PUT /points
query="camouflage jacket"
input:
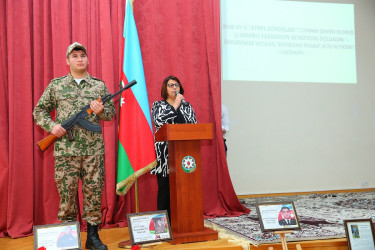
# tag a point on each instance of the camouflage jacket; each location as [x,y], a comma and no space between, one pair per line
[68,98]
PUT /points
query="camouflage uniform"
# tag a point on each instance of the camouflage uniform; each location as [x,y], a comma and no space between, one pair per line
[82,158]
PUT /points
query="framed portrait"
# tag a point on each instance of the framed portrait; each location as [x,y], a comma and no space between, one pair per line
[360,234]
[149,227]
[57,236]
[277,216]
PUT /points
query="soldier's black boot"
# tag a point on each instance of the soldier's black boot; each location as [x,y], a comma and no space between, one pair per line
[93,241]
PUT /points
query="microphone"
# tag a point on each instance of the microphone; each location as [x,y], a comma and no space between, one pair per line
[183,100]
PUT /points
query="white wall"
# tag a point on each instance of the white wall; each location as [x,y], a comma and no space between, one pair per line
[295,137]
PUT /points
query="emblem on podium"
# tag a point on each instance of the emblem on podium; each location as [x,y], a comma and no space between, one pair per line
[188,164]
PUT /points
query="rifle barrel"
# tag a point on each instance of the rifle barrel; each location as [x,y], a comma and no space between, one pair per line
[130,84]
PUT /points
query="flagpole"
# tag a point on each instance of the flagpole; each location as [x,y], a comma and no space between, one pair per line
[136,197]
[136,181]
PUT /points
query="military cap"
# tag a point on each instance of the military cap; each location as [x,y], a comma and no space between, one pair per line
[73,46]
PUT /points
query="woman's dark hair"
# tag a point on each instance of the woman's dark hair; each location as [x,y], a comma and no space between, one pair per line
[164,92]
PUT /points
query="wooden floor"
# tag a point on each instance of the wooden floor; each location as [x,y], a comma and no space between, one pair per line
[112,237]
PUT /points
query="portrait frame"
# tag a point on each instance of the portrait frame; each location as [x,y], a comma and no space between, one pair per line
[149,227]
[48,236]
[271,216]
[360,233]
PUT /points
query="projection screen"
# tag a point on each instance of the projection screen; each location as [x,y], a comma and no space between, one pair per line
[298,81]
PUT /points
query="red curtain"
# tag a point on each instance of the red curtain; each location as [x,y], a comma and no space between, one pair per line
[177,38]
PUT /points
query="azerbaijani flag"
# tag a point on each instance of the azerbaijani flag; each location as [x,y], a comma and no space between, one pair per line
[136,151]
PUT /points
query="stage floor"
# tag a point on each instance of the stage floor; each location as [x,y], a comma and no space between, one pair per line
[112,237]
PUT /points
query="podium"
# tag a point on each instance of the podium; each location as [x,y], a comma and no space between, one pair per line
[185,180]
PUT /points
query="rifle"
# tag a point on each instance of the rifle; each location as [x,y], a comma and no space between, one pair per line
[79,119]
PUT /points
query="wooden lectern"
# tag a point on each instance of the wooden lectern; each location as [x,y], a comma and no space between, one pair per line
[185,180]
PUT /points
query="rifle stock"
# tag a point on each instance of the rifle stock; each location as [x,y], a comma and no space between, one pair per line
[46,142]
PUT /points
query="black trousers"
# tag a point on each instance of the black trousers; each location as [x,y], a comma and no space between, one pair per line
[164,202]
[225,145]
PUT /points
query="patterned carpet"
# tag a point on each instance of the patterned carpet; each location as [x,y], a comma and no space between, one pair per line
[321,216]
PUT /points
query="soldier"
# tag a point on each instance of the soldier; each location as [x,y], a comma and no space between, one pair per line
[82,158]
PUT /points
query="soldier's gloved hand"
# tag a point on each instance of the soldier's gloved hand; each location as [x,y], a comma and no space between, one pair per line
[97,106]
[58,131]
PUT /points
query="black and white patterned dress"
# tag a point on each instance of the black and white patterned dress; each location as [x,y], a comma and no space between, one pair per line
[164,113]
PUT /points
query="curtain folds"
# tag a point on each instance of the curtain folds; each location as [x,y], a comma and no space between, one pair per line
[177,38]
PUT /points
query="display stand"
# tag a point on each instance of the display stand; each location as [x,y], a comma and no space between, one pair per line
[185,180]
[127,245]
[282,238]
